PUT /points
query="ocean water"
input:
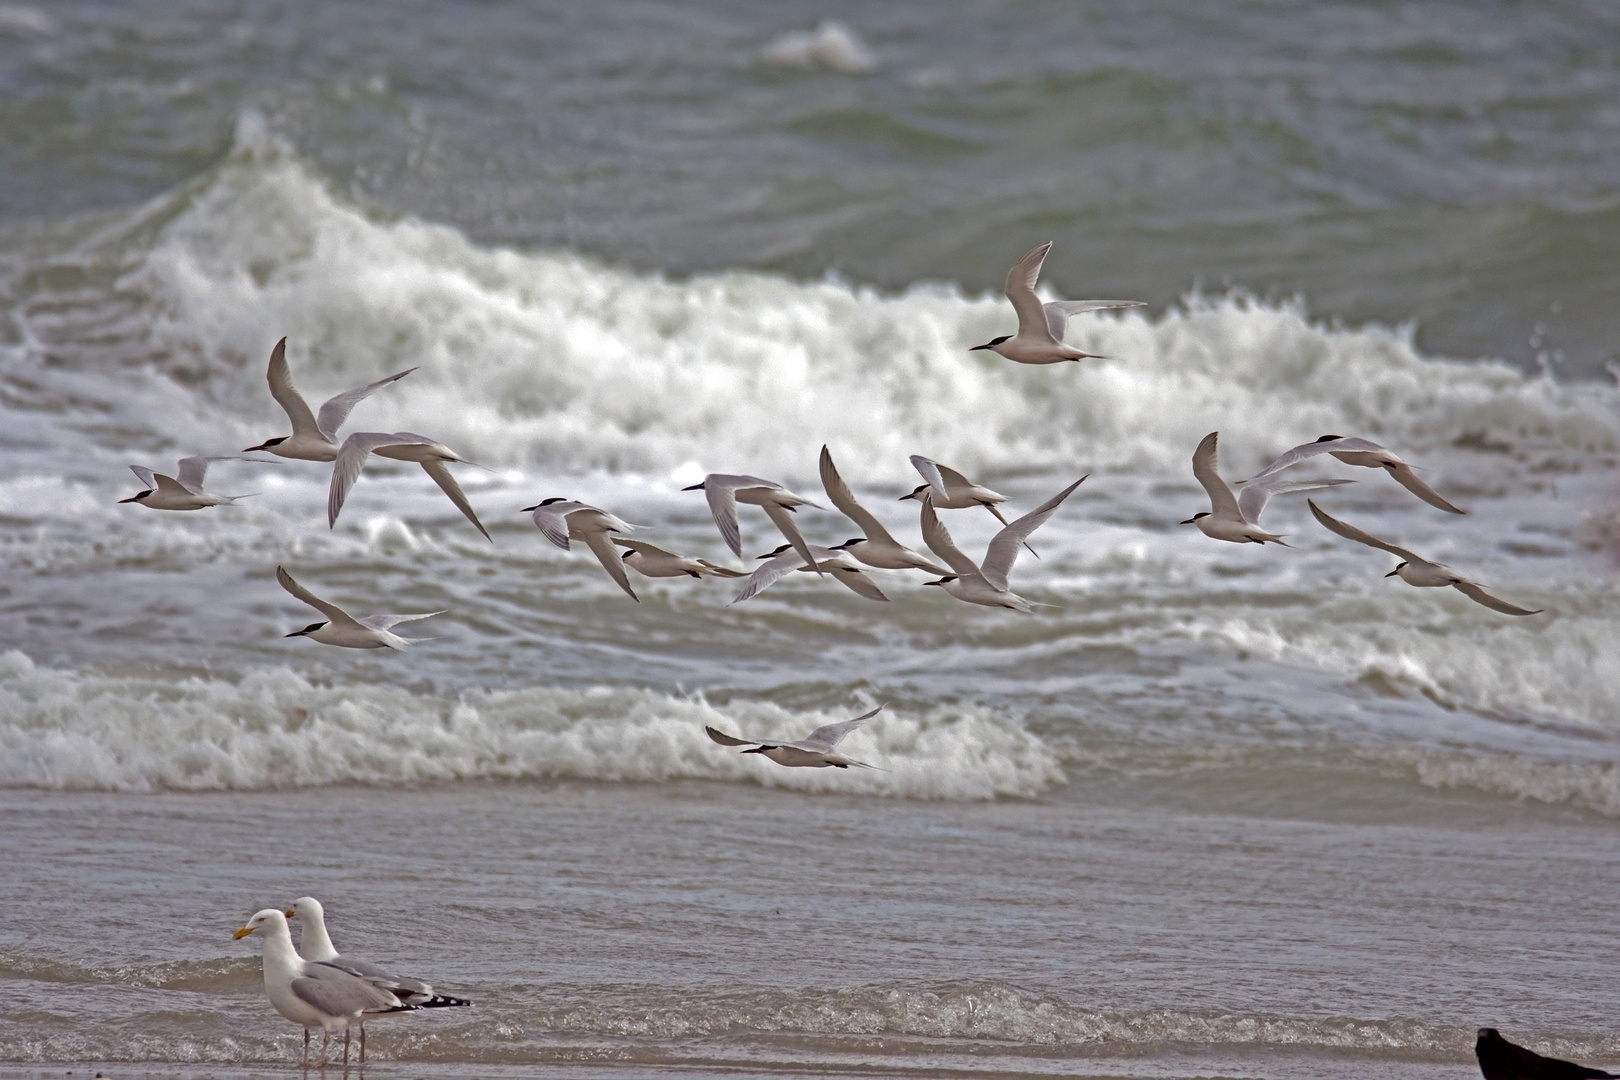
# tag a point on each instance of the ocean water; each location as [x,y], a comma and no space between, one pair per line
[1212,810]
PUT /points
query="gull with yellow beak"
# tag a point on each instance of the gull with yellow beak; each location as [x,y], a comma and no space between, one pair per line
[314,995]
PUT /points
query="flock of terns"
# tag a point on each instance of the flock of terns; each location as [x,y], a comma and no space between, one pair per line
[323,990]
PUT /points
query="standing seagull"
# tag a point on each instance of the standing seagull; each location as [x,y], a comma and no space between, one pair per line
[1418,571]
[1502,1060]
[987,585]
[814,752]
[315,995]
[401,446]
[183,491]
[560,520]
[1236,518]
[724,492]
[1040,326]
[1362,452]
[343,629]
[318,949]
[876,547]
[835,561]
[313,438]
[651,561]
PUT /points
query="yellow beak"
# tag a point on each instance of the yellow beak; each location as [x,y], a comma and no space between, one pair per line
[291,913]
[242,933]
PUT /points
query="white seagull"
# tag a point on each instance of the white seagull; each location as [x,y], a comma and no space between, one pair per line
[1366,453]
[654,562]
[835,561]
[875,547]
[400,446]
[1040,326]
[314,438]
[183,491]
[1416,570]
[344,630]
[315,995]
[317,948]
[987,585]
[1236,518]
[724,492]
[561,520]
[813,752]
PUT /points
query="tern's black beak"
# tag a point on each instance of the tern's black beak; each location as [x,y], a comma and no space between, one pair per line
[758,749]
[1393,573]
[137,497]
[694,487]
[529,509]
[310,629]
[976,348]
[1189,521]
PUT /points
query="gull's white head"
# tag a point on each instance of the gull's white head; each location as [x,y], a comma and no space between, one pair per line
[267,922]
[306,908]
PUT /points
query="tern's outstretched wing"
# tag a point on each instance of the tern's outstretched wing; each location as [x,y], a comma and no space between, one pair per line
[146,476]
[858,582]
[729,740]
[825,738]
[601,546]
[191,472]
[642,546]
[1324,445]
[1480,596]
[1003,550]
[447,484]
[844,500]
[1350,532]
[351,459]
[782,518]
[769,573]
[1020,288]
[930,472]
[336,410]
[1058,311]
[287,396]
[940,543]
[334,614]
[1255,495]
[384,622]
[1408,478]
[1221,499]
[723,505]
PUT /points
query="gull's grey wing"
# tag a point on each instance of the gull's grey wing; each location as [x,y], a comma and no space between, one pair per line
[825,738]
[191,472]
[1350,532]
[146,476]
[769,573]
[601,546]
[1253,498]
[930,472]
[334,992]
[844,500]
[729,740]
[940,543]
[401,986]
[1221,499]
[351,458]
[782,518]
[1480,596]
[1003,550]
[447,484]
[1020,288]
[1408,478]
[333,613]
[1058,311]
[858,582]
[290,400]
[386,622]
[1310,450]
[336,410]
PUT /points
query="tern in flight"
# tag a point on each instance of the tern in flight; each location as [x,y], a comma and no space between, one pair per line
[1416,570]
[986,584]
[651,561]
[1040,326]
[814,752]
[344,630]
[875,547]
[314,438]
[724,492]
[561,520]
[184,490]
[1362,452]
[434,458]
[835,561]
[1236,518]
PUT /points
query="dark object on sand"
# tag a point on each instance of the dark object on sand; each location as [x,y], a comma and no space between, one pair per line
[1502,1060]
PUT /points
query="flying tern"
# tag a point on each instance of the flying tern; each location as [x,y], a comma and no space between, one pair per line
[987,584]
[184,490]
[814,752]
[786,559]
[724,492]
[650,561]
[434,458]
[1040,326]
[875,547]
[1236,518]
[1366,453]
[317,948]
[344,630]
[314,438]
[562,520]
[315,995]
[1416,570]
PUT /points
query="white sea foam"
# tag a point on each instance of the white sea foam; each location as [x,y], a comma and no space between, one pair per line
[832,45]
